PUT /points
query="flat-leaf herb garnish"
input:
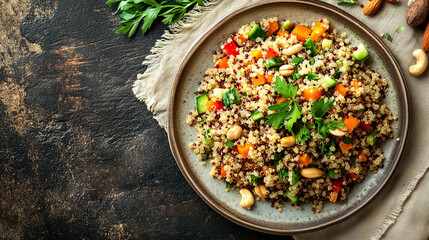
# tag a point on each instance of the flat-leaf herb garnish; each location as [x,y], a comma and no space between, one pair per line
[347,2]
[133,12]
[318,110]
[288,110]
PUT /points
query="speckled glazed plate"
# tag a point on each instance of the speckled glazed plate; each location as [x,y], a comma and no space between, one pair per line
[263,217]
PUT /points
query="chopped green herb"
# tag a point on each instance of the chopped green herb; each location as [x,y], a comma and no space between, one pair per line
[244,94]
[388,37]
[296,76]
[312,76]
[228,185]
[352,159]
[207,137]
[283,174]
[361,110]
[229,143]
[310,45]
[340,63]
[347,2]
[331,173]
[400,29]
[295,177]
[297,60]
[196,93]
[256,180]
[206,155]
[337,74]
[201,120]
[277,157]
[289,111]
[318,110]
[301,132]
[312,61]
[328,148]
[347,140]
[273,95]
[134,12]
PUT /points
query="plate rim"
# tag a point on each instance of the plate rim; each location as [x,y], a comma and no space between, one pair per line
[221,209]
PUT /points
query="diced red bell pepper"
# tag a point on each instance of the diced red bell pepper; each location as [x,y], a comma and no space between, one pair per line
[336,185]
[365,126]
[230,49]
[270,53]
[214,105]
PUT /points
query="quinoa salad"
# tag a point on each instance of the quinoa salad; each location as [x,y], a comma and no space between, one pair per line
[290,114]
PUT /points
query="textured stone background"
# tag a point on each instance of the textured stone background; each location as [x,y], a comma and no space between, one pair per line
[80,157]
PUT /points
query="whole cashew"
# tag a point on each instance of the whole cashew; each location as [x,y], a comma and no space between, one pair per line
[261,191]
[247,198]
[292,50]
[421,64]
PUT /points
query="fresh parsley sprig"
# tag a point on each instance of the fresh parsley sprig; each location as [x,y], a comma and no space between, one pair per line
[289,111]
[318,110]
[136,11]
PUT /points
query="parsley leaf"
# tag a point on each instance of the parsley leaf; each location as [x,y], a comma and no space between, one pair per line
[144,12]
[277,157]
[229,143]
[337,74]
[318,110]
[289,111]
[312,61]
[256,180]
[303,135]
[388,37]
[312,76]
[283,174]
[297,60]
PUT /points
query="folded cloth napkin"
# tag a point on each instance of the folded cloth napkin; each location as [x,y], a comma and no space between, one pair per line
[379,217]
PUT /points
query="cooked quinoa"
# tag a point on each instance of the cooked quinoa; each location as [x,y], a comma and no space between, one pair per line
[246,149]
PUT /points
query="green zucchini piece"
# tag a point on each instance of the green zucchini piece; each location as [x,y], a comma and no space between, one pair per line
[330,81]
[201,103]
[361,53]
[256,32]
[256,115]
[372,139]
[273,62]
[326,44]
[286,26]
[310,45]
[293,199]
[229,97]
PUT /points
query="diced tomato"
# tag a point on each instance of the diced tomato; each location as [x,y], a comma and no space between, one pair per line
[230,49]
[223,171]
[365,126]
[336,185]
[214,105]
[354,176]
[362,156]
[270,53]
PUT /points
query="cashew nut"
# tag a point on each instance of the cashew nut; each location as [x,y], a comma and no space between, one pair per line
[292,50]
[286,70]
[247,198]
[261,191]
[288,141]
[311,172]
[421,64]
[339,132]
[234,132]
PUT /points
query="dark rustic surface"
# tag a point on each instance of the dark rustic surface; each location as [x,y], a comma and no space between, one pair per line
[81,158]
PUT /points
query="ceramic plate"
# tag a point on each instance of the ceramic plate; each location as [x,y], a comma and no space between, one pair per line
[263,217]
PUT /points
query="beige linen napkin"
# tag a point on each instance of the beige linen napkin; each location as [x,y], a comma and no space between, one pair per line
[379,217]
